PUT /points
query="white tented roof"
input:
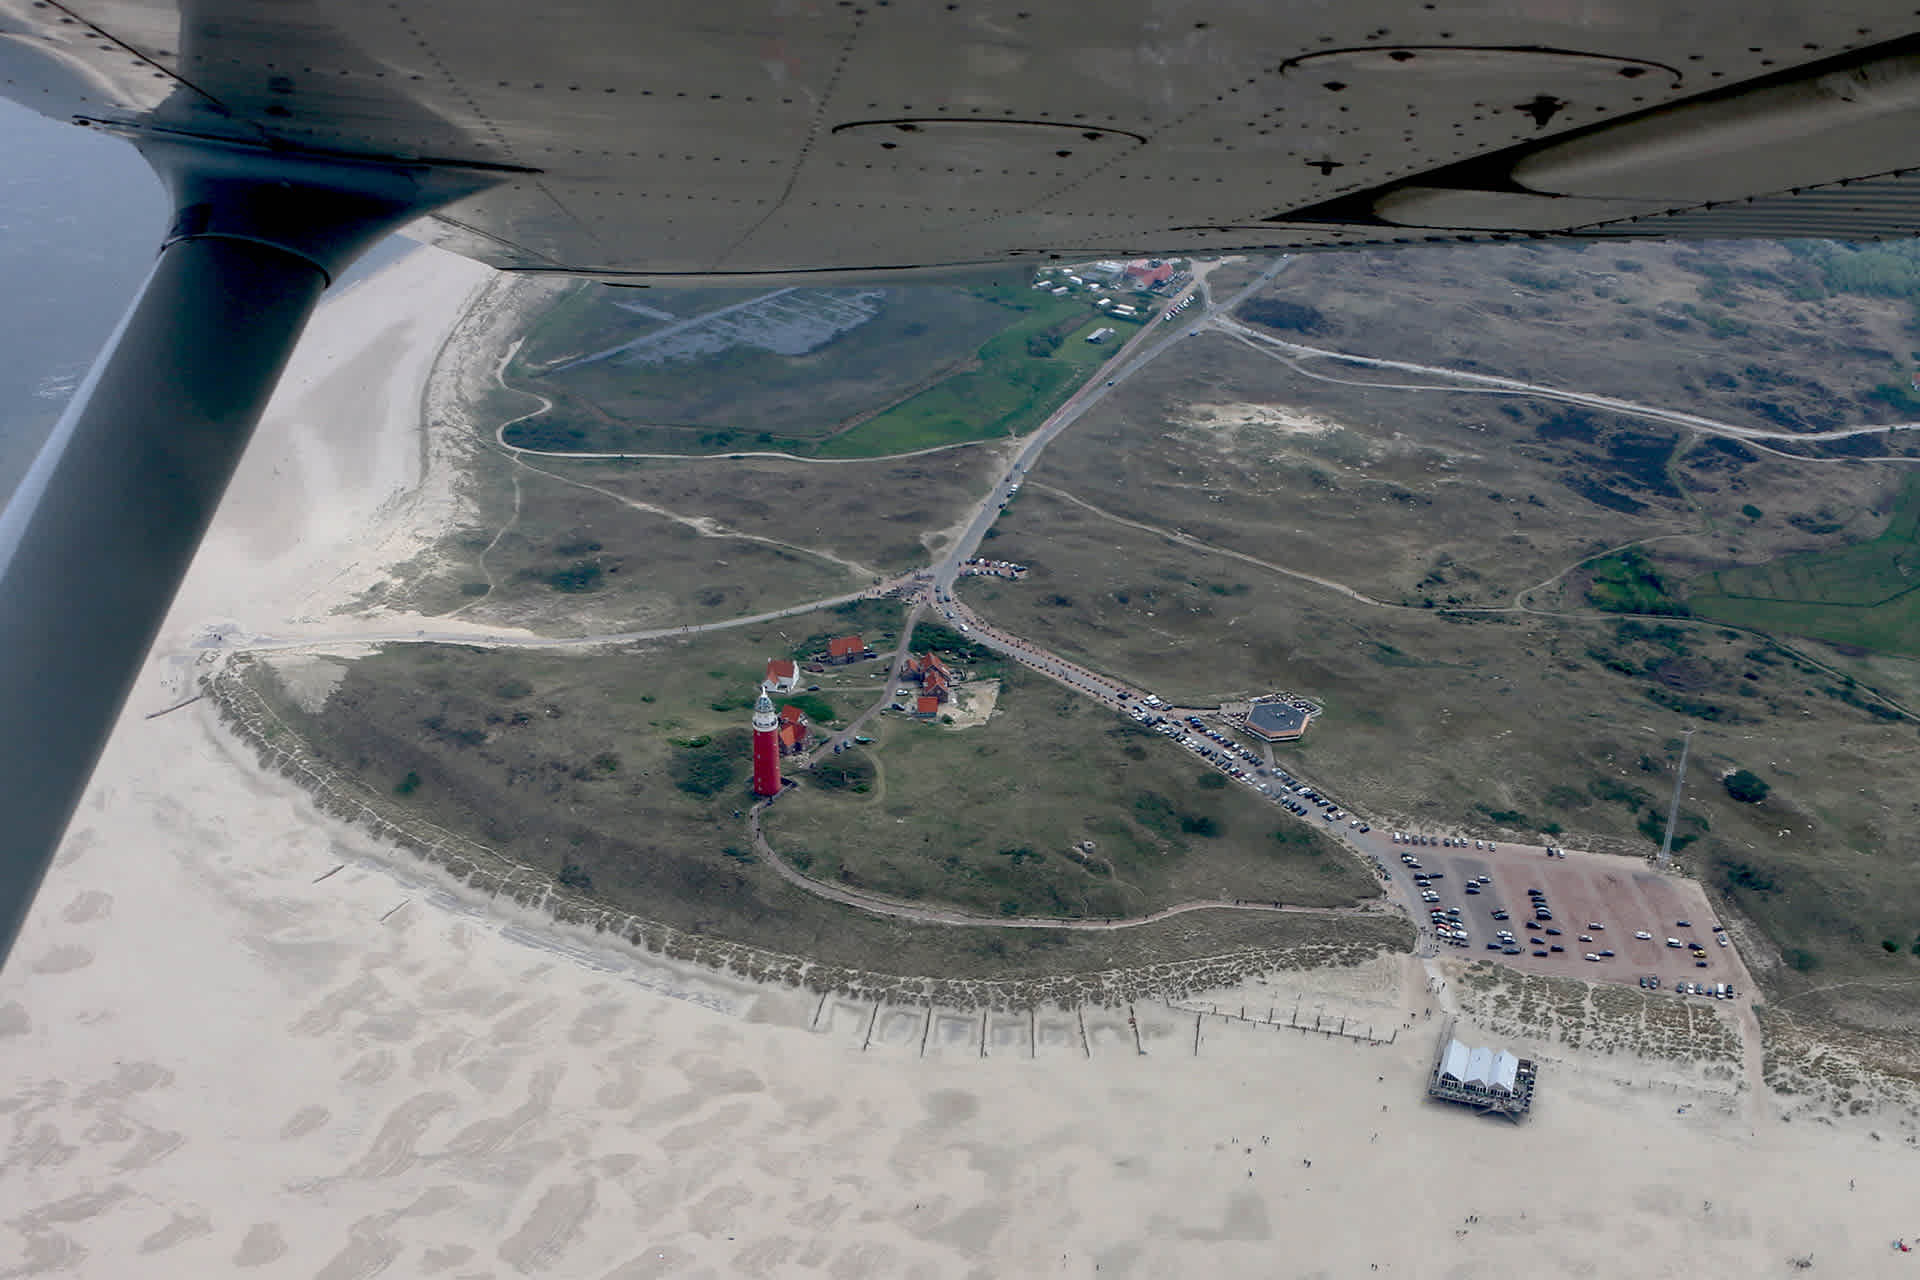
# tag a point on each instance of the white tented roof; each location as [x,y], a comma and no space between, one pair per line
[1506,1070]
[1455,1063]
[1479,1068]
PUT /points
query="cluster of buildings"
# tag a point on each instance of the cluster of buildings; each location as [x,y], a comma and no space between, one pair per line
[1141,275]
[777,731]
[935,678]
[784,731]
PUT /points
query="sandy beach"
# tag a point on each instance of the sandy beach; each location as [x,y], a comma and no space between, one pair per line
[237,1037]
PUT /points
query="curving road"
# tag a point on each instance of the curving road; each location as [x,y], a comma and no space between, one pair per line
[1513,386]
[898,909]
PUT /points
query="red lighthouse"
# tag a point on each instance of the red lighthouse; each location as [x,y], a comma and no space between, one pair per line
[766,747]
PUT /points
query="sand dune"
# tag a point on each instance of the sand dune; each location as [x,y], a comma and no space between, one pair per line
[216,1058]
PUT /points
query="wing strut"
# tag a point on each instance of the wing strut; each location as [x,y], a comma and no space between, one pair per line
[95,542]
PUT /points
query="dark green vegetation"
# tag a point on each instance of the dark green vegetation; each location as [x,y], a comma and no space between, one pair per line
[817,708]
[1864,594]
[1284,315]
[1627,582]
[1055,807]
[1745,786]
[934,637]
[891,370]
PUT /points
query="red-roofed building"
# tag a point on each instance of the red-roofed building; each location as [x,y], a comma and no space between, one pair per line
[936,686]
[783,675]
[793,729]
[926,707]
[845,649]
[926,668]
[1147,274]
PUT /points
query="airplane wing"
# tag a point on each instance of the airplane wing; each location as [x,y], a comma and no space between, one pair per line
[724,139]
[818,140]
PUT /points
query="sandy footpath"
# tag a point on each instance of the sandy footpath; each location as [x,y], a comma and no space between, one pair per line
[236,1038]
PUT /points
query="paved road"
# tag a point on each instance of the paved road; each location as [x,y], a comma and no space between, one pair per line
[1146,346]
[885,700]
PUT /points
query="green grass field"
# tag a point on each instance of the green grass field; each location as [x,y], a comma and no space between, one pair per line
[1863,595]
[1627,582]
[1009,395]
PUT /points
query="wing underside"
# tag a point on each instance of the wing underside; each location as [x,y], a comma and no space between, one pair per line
[730,139]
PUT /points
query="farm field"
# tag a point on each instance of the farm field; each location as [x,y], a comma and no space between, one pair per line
[1010,393]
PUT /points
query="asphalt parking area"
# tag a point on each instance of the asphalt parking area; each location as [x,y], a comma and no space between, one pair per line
[1620,895]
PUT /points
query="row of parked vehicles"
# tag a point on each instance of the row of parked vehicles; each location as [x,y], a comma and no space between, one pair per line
[1713,990]
[1444,842]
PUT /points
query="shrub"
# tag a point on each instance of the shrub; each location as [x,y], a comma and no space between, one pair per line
[1745,786]
[1278,313]
[580,576]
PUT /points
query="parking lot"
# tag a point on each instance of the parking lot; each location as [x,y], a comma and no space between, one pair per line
[1598,902]
[1591,896]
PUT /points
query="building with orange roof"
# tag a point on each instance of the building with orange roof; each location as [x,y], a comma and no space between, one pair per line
[793,729]
[783,675]
[926,707]
[1149,272]
[845,649]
